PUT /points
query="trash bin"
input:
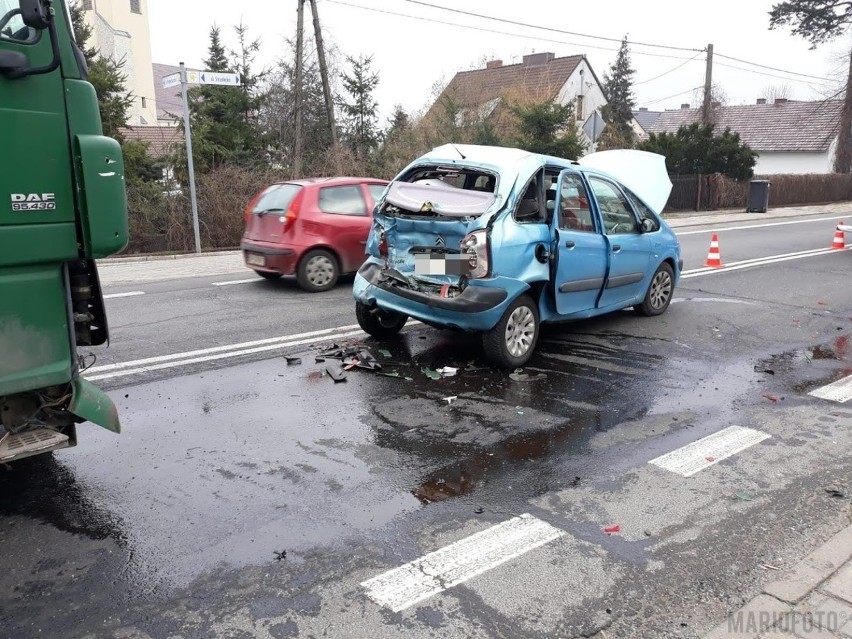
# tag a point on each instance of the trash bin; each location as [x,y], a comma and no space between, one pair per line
[758,196]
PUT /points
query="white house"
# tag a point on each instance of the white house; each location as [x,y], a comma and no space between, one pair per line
[480,93]
[789,136]
[120,31]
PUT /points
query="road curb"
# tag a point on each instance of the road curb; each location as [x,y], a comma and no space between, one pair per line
[158,258]
[782,595]
[675,223]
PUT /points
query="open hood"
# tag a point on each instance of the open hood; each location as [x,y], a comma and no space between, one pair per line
[642,172]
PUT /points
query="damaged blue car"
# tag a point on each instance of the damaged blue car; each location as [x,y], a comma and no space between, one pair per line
[495,241]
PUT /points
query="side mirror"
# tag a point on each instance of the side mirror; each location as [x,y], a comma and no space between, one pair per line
[35,14]
[648,225]
[12,61]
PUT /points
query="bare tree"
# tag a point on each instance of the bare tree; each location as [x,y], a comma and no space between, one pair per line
[773,91]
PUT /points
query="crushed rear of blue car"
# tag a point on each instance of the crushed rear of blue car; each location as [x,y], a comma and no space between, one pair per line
[496,241]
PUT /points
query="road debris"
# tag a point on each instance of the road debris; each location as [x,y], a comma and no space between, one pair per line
[834,492]
[431,374]
[769,567]
[772,398]
[451,399]
[710,458]
[448,371]
[384,352]
[611,530]
[336,373]
[293,361]
[520,376]
[768,371]
[743,496]
[280,555]
[478,510]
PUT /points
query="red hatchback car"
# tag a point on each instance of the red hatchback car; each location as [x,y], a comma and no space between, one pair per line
[315,229]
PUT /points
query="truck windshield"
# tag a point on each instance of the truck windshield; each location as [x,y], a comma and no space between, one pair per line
[12,25]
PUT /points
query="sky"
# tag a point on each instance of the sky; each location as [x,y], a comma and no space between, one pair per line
[415,43]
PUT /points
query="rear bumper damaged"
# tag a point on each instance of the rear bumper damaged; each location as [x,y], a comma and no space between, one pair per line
[475,308]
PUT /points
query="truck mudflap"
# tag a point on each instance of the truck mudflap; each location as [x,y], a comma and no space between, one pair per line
[91,404]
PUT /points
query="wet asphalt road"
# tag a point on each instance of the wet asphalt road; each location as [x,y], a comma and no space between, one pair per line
[249,498]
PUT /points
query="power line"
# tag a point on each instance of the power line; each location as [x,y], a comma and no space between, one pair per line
[770,75]
[763,66]
[506,33]
[535,26]
[672,70]
[669,97]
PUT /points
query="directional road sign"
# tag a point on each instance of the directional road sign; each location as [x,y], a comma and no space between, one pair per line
[171,80]
[213,77]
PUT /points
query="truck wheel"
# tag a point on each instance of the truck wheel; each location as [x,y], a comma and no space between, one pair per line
[378,322]
[659,294]
[512,341]
[318,271]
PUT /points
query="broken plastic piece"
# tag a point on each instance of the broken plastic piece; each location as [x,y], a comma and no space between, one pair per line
[336,373]
[478,510]
[451,399]
[390,374]
[835,493]
[520,376]
[609,530]
[710,458]
[744,496]
[352,363]
[448,371]
[772,398]
[293,361]
[428,372]
[384,352]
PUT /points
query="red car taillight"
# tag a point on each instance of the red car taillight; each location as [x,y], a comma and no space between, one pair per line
[383,245]
[293,211]
[476,246]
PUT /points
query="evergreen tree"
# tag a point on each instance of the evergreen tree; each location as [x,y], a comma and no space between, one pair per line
[618,111]
[361,130]
[548,128]
[820,21]
[695,149]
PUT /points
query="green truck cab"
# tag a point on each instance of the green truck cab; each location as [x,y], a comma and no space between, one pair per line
[62,205]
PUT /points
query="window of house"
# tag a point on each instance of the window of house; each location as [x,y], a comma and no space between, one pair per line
[579,107]
[144,103]
[342,200]
[136,6]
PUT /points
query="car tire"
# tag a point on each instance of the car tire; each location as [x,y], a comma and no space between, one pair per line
[269,276]
[318,271]
[511,342]
[379,322]
[659,293]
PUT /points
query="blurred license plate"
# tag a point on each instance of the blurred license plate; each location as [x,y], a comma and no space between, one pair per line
[256,260]
[442,264]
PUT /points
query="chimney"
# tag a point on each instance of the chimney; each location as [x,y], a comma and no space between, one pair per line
[761,100]
[684,106]
[643,109]
[535,59]
[493,64]
[780,100]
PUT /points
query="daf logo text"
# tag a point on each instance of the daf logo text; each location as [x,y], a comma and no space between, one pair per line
[33,201]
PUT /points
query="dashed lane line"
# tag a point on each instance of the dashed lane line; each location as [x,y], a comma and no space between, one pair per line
[710,450]
[839,391]
[128,294]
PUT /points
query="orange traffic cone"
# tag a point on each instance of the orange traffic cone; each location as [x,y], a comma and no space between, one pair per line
[714,258]
[839,238]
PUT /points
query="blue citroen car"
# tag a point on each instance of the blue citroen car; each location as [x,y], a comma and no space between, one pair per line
[494,241]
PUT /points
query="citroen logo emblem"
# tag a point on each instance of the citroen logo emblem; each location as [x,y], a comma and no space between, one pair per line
[439,241]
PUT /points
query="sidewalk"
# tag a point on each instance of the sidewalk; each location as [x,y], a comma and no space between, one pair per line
[813,600]
[139,269]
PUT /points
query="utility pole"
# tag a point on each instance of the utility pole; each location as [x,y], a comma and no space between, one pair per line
[326,87]
[707,109]
[190,166]
[297,150]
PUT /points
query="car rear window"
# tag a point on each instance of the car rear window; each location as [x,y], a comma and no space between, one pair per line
[376,191]
[276,198]
[342,200]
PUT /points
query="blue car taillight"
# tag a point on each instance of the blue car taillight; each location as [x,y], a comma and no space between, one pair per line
[476,246]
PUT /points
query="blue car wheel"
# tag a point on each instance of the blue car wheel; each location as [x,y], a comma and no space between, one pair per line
[511,342]
[659,294]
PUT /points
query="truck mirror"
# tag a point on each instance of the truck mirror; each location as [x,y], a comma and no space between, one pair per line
[35,14]
[12,62]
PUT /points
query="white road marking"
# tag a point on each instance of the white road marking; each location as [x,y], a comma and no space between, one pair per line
[129,294]
[174,360]
[709,450]
[229,282]
[422,578]
[760,261]
[760,226]
[839,391]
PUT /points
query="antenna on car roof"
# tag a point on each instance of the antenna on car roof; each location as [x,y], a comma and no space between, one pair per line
[457,151]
